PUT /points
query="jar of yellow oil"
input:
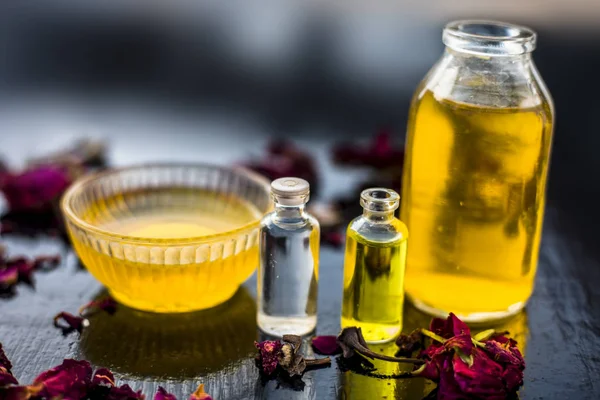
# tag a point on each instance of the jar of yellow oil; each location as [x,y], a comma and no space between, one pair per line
[374,268]
[477,154]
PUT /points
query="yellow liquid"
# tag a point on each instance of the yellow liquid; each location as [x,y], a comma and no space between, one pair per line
[362,387]
[374,287]
[178,278]
[473,198]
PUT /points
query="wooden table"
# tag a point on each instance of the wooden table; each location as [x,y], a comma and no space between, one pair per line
[559,331]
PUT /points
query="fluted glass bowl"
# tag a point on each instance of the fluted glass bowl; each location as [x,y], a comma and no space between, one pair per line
[168,237]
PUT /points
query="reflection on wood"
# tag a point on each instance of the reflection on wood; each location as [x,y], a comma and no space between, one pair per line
[172,345]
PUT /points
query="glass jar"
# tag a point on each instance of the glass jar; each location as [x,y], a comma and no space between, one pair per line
[474,183]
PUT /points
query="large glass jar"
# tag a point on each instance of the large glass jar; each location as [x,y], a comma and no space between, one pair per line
[473,195]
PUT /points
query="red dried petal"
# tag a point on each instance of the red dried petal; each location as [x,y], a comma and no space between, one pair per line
[46,263]
[107,304]
[9,276]
[503,354]
[18,392]
[162,394]
[24,267]
[4,361]
[103,377]
[6,378]
[483,379]
[448,389]
[35,189]
[332,238]
[451,326]
[326,345]
[124,392]
[70,380]
[199,394]
[69,322]
[379,154]
[269,354]
[513,378]
[284,158]
[463,370]
[435,356]
[408,344]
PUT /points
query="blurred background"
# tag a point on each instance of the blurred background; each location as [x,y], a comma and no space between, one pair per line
[213,81]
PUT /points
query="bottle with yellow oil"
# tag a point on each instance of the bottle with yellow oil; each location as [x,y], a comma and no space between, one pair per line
[473,191]
[374,268]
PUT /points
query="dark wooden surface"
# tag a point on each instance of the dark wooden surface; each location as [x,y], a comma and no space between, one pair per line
[559,330]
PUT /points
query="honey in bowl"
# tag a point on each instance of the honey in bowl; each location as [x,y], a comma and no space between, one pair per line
[168,248]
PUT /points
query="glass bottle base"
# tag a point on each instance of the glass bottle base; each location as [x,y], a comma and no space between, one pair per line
[475,317]
[279,326]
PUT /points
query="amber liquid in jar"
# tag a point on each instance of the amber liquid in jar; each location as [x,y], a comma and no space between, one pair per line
[473,197]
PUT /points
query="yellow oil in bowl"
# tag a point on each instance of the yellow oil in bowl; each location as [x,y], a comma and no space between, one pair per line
[168,247]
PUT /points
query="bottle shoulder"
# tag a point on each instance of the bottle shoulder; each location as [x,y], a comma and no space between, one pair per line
[306,222]
[491,82]
[388,231]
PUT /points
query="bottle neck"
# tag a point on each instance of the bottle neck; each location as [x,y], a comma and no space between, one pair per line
[378,216]
[290,212]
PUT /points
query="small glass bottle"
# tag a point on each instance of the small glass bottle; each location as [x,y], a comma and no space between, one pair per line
[374,268]
[289,262]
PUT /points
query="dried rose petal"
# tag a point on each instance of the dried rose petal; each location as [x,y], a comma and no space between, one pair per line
[124,392]
[326,345]
[408,344]
[4,361]
[492,369]
[451,326]
[24,267]
[483,379]
[162,394]
[70,380]
[18,392]
[283,159]
[379,154]
[46,263]
[20,269]
[199,394]
[332,238]
[107,304]
[104,377]
[35,189]
[269,354]
[6,378]
[504,351]
[69,322]
[513,378]
[9,276]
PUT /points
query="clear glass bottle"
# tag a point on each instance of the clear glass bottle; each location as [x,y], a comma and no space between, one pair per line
[474,184]
[289,262]
[374,266]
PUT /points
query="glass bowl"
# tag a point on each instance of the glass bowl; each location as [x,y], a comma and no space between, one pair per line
[168,237]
